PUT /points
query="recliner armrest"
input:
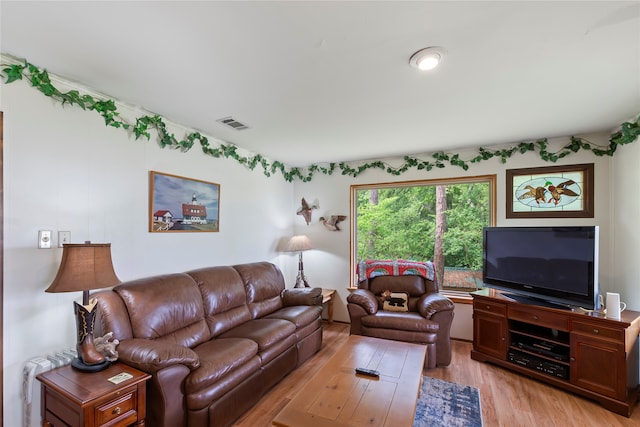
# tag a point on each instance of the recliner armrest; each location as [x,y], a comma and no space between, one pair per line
[301,296]
[430,304]
[151,356]
[364,298]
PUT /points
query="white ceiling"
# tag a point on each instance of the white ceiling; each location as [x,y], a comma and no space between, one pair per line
[330,81]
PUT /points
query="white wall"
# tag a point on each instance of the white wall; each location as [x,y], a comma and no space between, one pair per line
[328,265]
[625,244]
[65,170]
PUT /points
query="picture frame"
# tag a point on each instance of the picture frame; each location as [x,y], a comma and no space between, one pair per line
[550,192]
[180,204]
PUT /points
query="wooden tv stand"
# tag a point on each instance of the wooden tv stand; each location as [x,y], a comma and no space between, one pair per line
[578,351]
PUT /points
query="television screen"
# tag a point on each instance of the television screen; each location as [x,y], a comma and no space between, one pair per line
[554,264]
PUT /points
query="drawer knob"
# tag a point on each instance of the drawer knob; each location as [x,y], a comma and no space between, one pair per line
[488,307]
[596,331]
[117,410]
[535,317]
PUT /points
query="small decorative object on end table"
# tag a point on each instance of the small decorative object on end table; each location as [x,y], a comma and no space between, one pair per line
[327,297]
[114,396]
[85,267]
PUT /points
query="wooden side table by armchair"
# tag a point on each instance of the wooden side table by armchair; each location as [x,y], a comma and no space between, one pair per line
[327,297]
[79,399]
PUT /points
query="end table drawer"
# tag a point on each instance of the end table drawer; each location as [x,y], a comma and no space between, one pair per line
[118,410]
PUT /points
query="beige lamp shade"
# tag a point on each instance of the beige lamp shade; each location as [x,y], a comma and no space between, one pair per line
[84,266]
[299,243]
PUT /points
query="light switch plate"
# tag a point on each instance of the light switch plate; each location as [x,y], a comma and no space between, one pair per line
[44,239]
[63,237]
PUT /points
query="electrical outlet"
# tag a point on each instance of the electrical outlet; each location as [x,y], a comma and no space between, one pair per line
[63,237]
[44,239]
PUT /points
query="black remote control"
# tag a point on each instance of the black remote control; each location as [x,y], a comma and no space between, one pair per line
[368,372]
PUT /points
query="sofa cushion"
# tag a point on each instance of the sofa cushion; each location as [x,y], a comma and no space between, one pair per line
[264,332]
[218,358]
[263,283]
[400,321]
[167,307]
[299,315]
[224,298]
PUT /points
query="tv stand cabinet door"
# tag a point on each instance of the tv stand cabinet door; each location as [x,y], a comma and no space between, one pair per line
[490,329]
[599,365]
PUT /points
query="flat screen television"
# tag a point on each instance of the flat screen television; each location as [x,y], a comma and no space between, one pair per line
[543,265]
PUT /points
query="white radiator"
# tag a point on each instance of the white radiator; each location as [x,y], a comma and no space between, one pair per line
[31,387]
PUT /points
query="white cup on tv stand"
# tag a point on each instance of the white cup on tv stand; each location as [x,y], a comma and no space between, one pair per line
[614,306]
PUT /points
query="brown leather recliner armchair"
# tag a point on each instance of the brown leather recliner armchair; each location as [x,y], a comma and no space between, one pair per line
[427,321]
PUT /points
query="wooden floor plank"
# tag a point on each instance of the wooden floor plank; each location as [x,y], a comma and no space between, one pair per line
[507,399]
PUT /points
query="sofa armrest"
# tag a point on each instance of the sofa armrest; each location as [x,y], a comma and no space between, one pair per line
[365,299]
[151,356]
[301,296]
[430,304]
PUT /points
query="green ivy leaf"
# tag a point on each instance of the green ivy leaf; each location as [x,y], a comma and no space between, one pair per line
[13,73]
[40,79]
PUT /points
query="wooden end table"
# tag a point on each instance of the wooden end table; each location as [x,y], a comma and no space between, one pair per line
[327,297]
[78,399]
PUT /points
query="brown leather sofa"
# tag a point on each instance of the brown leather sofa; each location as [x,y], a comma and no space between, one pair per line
[214,339]
[427,321]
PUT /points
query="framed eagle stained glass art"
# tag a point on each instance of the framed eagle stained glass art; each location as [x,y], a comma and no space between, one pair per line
[550,192]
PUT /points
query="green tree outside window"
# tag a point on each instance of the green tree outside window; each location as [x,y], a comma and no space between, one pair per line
[408,220]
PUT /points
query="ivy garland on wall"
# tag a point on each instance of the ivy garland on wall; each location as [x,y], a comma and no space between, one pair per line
[145,125]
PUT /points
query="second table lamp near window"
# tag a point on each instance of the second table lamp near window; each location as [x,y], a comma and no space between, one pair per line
[300,244]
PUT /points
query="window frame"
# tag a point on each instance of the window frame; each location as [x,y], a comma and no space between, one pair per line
[490,179]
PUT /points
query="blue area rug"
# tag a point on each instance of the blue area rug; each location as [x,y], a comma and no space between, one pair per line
[442,403]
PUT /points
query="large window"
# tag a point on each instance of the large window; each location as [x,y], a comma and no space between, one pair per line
[438,220]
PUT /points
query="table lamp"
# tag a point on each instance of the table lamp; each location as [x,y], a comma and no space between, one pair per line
[300,244]
[85,266]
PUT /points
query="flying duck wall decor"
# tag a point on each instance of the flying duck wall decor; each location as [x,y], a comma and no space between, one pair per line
[331,223]
[305,209]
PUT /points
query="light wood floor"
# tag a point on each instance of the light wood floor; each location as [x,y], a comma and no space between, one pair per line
[507,399]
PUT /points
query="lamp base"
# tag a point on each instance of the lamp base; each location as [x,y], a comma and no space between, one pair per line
[301,281]
[81,366]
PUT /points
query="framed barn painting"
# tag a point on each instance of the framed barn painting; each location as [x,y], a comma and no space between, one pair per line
[550,192]
[179,204]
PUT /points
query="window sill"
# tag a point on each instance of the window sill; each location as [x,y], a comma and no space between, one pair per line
[458,297]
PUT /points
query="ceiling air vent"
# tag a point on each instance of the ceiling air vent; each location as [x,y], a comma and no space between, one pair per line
[233,123]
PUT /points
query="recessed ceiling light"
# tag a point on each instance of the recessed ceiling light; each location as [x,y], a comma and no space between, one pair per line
[427,58]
